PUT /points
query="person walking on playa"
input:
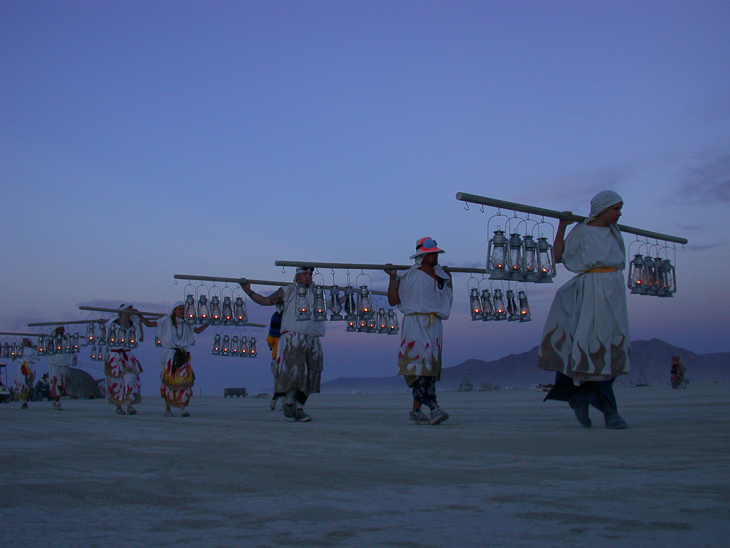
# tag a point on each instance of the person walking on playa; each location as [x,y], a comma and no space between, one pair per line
[24,377]
[586,335]
[424,293]
[122,369]
[299,358]
[59,374]
[176,376]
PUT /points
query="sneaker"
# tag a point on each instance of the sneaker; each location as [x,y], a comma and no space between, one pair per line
[289,412]
[301,416]
[131,410]
[25,405]
[185,414]
[614,421]
[438,416]
[419,417]
[120,411]
[579,405]
[57,406]
[272,403]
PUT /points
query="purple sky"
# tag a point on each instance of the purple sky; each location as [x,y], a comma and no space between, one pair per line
[139,140]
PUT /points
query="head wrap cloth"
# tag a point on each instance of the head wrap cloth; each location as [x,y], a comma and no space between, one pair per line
[602,201]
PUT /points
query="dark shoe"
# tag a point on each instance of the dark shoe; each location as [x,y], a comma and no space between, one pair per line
[131,410]
[614,421]
[289,412]
[301,416]
[184,414]
[25,405]
[120,411]
[579,405]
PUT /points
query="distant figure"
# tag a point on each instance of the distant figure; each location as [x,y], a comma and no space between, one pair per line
[176,376]
[678,370]
[23,382]
[299,357]
[586,336]
[122,369]
[424,294]
[59,374]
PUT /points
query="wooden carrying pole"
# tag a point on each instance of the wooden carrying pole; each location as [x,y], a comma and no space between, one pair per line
[137,312]
[252,282]
[65,323]
[367,266]
[22,334]
[514,206]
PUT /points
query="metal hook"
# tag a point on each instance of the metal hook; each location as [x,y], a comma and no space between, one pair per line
[466,206]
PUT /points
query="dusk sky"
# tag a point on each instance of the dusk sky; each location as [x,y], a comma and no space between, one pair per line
[139,140]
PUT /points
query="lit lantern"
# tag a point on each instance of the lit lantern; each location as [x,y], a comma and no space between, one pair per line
[319,306]
[487,306]
[226,346]
[524,307]
[475,304]
[351,325]
[670,278]
[362,325]
[41,344]
[545,261]
[191,316]
[158,342]
[216,316]
[101,339]
[67,347]
[132,341]
[382,321]
[13,351]
[636,275]
[649,279]
[512,310]
[58,343]
[515,264]
[497,256]
[75,346]
[227,311]
[335,305]
[90,337]
[500,311]
[364,304]
[372,325]
[203,310]
[239,311]
[216,350]
[304,312]
[234,346]
[252,352]
[392,322]
[122,336]
[529,259]
[113,334]
[350,306]
[243,347]
[93,353]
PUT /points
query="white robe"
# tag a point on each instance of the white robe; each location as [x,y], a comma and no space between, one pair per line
[586,335]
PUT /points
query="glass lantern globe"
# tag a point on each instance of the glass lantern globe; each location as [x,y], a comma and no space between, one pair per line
[475,305]
[382,320]
[525,315]
[93,353]
[158,342]
[350,306]
[487,306]
[252,351]
[515,258]
[226,346]
[500,310]
[122,336]
[545,261]
[41,345]
[304,311]
[216,350]
[67,347]
[636,275]
[335,305]
[216,315]
[513,312]
[101,339]
[234,346]
[364,303]
[497,256]
[319,306]
[132,340]
[529,260]
[243,347]
[392,322]
[227,311]
[203,310]
[191,315]
[239,311]
[90,337]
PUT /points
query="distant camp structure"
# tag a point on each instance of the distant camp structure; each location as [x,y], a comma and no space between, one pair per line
[466,385]
[488,387]
[642,381]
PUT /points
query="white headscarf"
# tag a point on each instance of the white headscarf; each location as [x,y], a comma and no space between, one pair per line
[602,201]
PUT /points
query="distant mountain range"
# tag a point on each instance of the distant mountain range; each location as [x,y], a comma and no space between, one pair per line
[653,357]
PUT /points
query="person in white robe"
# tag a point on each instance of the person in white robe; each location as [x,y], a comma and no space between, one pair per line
[176,376]
[299,358]
[25,375]
[122,368]
[586,335]
[424,293]
[59,373]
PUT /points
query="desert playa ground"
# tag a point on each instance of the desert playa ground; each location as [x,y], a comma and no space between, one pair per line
[505,470]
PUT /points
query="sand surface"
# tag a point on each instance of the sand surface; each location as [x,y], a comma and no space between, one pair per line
[505,470]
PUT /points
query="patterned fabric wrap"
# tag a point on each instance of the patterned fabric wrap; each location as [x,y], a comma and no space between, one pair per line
[424,391]
[58,379]
[586,335]
[122,371]
[23,381]
[177,383]
[299,363]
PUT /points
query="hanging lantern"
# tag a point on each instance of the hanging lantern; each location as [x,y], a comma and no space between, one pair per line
[545,261]
[524,307]
[226,346]
[252,352]
[475,304]
[497,256]
[13,351]
[372,325]
[243,347]
[58,343]
[512,310]
[132,340]
[500,311]
[335,305]
[90,337]
[75,346]
[41,345]
[239,311]
[113,334]
[649,279]
[670,278]
[382,321]
[67,348]
[158,342]
[122,336]
[392,322]
[203,310]
[93,353]
[350,306]
[234,346]
[636,275]
[6,350]
[364,303]
[191,316]
[227,311]
[319,306]
[362,325]
[351,326]
[516,263]
[487,306]
[304,312]
[216,350]
[103,356]
[529,259]
[101,339]
[216,316]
